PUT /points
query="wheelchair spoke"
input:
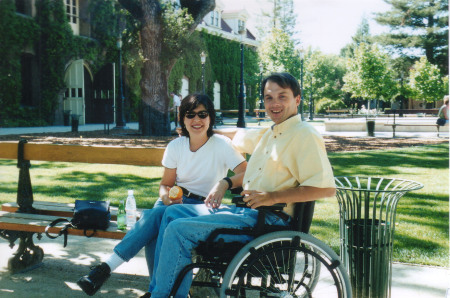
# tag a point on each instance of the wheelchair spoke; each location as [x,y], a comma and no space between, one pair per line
[280,268]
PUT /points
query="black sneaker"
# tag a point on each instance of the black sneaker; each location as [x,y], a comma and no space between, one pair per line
[146,295]
[92,282]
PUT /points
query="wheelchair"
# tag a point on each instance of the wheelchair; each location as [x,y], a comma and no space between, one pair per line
[278,262]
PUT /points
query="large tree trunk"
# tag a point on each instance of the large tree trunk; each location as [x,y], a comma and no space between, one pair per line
[153,84]
[155,100]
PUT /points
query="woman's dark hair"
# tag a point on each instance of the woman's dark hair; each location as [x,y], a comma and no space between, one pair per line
[284,80]
[191,102]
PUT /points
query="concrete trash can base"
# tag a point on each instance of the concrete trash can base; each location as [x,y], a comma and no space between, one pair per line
[370,128]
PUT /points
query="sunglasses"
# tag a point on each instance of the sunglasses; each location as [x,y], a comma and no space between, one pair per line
[201,115]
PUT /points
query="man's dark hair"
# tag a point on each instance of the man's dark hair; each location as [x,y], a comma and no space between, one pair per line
[191,102]
[284,80]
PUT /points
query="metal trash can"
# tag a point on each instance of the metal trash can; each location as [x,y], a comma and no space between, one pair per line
[367,208]
[75,122]
[370,124]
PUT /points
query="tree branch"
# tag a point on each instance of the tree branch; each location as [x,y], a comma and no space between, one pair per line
[134,7]
[198,9]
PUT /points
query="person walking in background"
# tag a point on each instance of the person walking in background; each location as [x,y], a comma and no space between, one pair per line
[443,112]
[175,106]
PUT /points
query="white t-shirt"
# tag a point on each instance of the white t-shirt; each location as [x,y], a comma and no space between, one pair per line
[199,171]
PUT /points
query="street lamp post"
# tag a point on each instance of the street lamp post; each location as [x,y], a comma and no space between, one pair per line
[241,98]
[311,113]
[120,122]
[261,99]
[203,60]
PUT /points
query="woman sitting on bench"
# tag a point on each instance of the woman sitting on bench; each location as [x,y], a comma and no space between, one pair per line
[197,161]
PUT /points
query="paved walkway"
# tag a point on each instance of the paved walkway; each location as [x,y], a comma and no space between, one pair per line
[407,280]
[250,122]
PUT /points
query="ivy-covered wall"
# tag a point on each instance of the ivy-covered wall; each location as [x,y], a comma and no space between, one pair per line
[225,58]
[17,33]
[222,65]
[49,38]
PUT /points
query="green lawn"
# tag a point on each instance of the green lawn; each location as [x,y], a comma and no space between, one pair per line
[422,222]
[422,230]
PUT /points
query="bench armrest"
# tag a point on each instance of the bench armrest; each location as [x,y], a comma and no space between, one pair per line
[238,201]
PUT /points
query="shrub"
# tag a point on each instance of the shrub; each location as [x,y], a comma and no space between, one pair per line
[333,104]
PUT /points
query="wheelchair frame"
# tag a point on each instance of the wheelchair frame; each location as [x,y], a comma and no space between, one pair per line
[296,260]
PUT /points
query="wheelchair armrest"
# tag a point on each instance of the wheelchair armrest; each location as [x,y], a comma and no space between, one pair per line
[239,202]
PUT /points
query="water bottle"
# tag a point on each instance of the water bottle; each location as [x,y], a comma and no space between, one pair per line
[130,208]
[121,216]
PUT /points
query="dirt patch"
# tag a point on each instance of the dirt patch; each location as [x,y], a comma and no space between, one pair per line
[132,138]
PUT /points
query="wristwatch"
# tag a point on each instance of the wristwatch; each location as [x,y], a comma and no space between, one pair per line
[230,184]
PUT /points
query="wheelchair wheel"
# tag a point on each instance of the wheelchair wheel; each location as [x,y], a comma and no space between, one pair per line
[286,264]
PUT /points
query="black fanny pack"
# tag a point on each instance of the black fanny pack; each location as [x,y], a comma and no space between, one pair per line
[87,215]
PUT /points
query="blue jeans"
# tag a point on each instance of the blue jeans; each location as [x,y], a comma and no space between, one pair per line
[182,227]
[144,234]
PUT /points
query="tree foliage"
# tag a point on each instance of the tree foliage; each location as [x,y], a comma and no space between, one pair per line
[369,75]
[281,17]
[417,28]
[277,53]
[323,75]
[426,82]
[362,35]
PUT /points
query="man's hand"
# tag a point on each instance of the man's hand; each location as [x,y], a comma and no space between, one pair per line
[255,199]
[215,196]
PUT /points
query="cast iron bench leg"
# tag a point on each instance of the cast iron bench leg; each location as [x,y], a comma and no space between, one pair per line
[28,255]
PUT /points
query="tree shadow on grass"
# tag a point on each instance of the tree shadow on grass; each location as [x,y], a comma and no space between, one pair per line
[97,186]
[389,162]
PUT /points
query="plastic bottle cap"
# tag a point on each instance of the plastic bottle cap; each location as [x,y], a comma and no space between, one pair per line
[130,192]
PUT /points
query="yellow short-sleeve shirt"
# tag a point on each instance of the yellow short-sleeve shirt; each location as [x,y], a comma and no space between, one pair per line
[284,156]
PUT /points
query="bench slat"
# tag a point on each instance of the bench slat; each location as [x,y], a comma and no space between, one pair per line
[85,154]
[37,223]
[56,209]
[411,125]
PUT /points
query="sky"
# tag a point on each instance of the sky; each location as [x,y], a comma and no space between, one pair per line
[327,25]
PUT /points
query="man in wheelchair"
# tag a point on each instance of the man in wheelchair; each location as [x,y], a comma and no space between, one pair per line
[288,165]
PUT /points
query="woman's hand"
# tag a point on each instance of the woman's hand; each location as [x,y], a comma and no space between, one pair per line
[164,195]
[215,196]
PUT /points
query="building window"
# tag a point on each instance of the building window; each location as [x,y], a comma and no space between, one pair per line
[216,18]
[26,64]
[23,7]
[215,15]
[241,25]
[72,11]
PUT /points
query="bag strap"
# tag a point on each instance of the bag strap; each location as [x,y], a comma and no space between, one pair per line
[89,236]
[63,230]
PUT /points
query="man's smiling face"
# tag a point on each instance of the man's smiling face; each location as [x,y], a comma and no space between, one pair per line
[279,102]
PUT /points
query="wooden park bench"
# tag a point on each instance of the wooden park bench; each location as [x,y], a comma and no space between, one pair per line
[394,125]
[400,112]
[339,113]
[258,115]
[21,220]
